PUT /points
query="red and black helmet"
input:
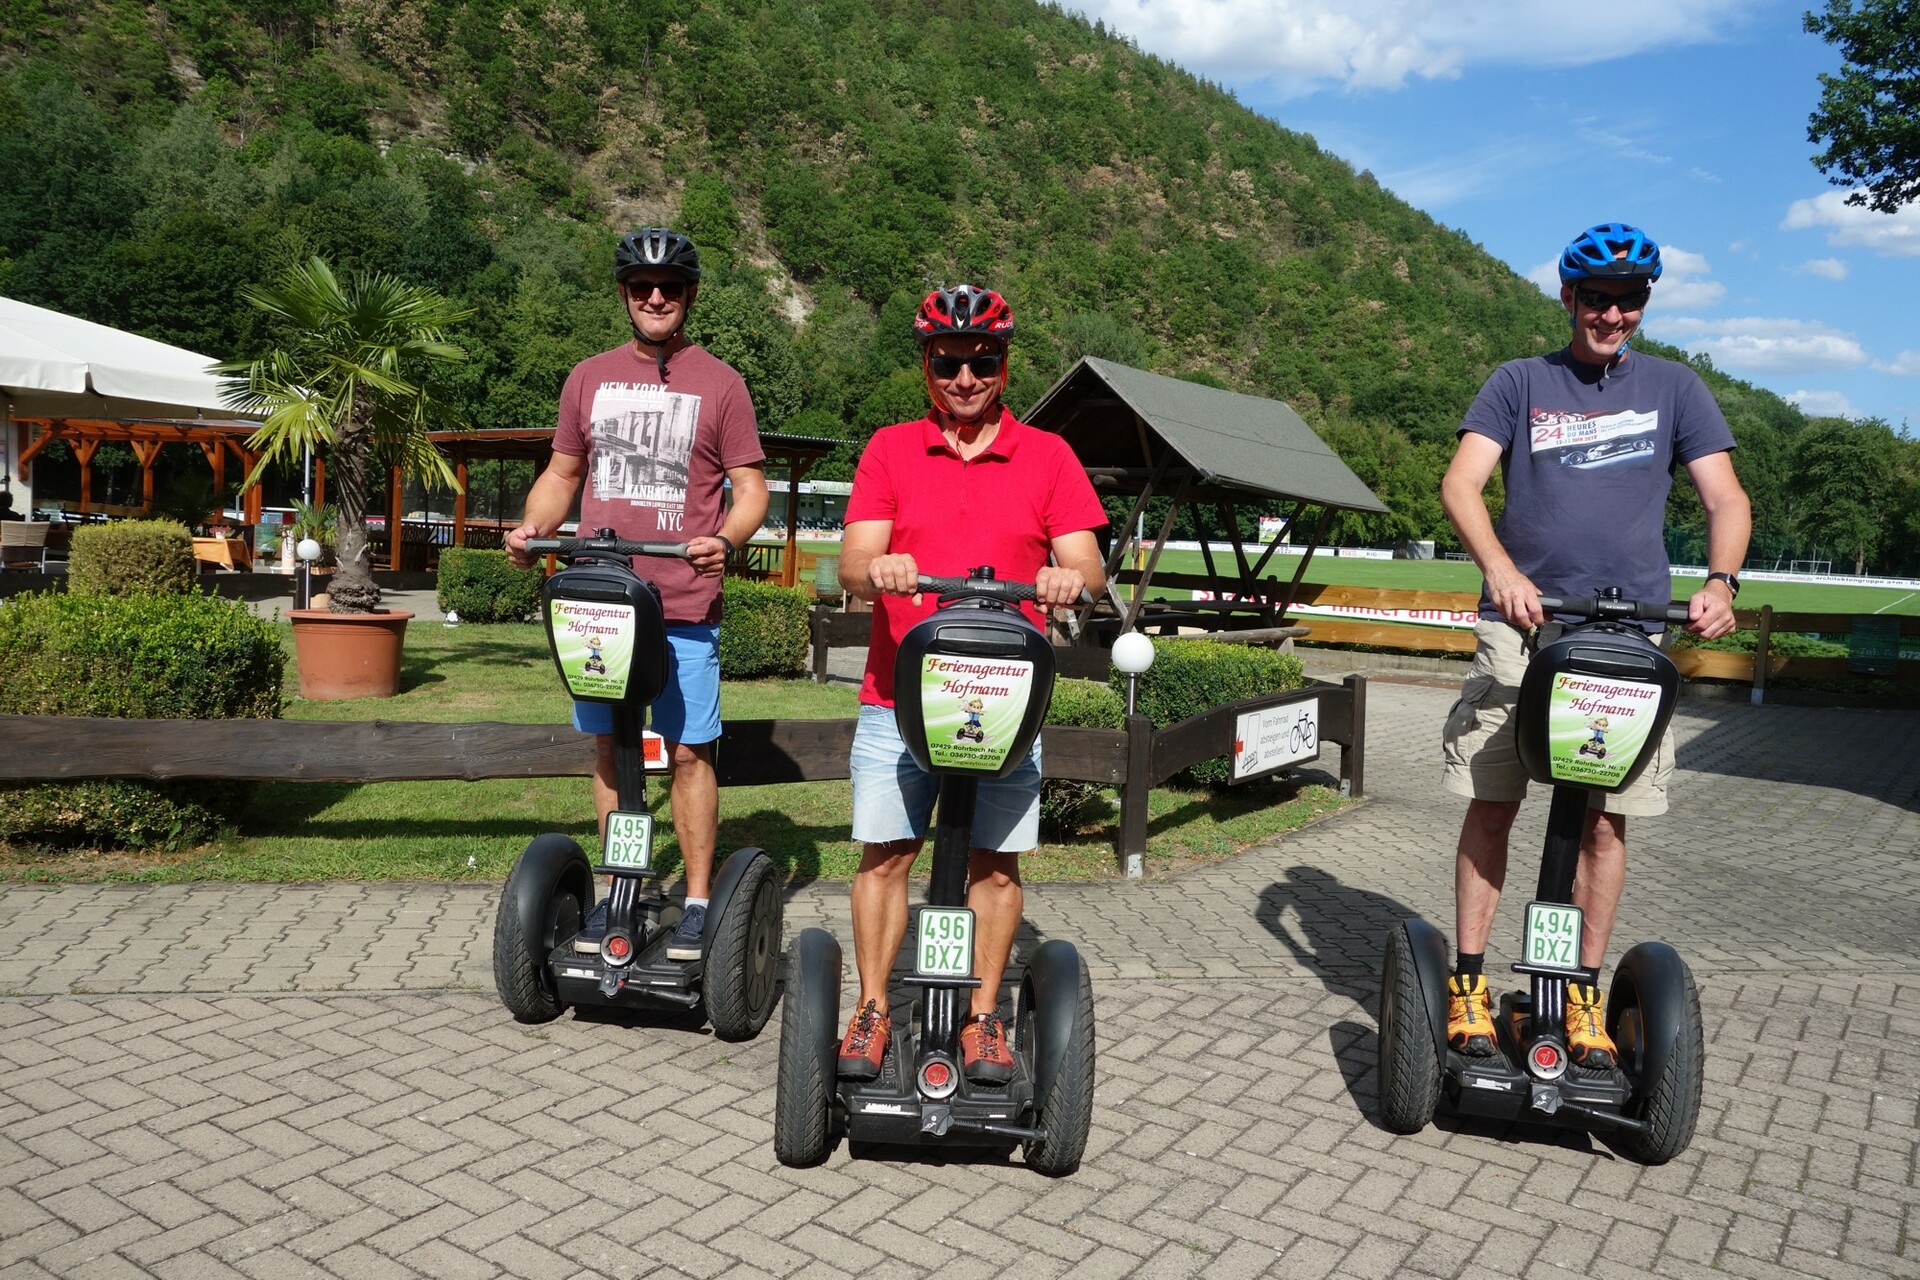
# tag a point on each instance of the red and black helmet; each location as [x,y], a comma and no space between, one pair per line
[964,309]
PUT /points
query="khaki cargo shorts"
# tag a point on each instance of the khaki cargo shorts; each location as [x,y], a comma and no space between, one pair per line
[1482,761]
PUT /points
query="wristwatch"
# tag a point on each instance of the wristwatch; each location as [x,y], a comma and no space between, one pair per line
[1733,583]
[721,537]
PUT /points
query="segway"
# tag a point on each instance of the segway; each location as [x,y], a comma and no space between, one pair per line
[977,645]
[1649,1101]
[609,640]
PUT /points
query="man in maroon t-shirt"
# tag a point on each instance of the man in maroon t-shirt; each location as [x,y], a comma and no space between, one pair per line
[968,485]
[657,426]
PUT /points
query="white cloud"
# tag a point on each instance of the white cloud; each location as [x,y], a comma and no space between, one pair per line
[1758,344]
[1892,235]
[1821,404]
[1825,268]
[1905,365]
[1379,44]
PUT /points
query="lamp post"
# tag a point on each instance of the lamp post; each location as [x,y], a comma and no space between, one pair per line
[308,551]
[1133,654]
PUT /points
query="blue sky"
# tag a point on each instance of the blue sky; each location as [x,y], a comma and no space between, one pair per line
[1521,122]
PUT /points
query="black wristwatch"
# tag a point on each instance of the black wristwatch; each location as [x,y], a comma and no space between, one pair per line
[721,537]
[1733,583]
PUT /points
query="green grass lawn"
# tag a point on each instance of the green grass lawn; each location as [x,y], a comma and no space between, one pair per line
[455,830]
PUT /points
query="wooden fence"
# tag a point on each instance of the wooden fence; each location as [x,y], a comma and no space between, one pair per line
[751,753]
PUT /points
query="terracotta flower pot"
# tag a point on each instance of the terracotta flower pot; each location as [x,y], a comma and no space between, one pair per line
[348,655]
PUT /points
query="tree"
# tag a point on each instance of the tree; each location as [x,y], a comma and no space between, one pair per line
[1846,474]
[1869,114]
[350,381]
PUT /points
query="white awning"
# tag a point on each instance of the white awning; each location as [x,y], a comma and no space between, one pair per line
[54,366]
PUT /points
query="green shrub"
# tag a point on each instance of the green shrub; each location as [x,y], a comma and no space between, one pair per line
[764,631]
[482,586]
[1781,644]
[128,557]
[1068,806]
[1192,676]
[144,657]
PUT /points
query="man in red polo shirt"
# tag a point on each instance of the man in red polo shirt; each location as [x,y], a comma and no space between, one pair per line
[968,485]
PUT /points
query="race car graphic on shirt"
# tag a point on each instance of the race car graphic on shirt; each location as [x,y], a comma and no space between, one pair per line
[1593,440]
[643,443]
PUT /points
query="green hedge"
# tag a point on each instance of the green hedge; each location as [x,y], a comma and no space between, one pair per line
[153,656]
[1068,806]
[129,557]
[1192,676]
[764,630]
[481,586]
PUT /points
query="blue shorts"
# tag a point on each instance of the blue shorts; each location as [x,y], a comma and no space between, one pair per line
[688,709]
[893,797]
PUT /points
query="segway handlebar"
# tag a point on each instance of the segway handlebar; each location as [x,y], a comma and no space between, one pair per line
[1597,607]
[1017,592]
[605,546]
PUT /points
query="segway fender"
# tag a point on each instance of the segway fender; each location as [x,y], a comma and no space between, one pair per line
[1660,977]
[727,881]
[1430,959]
[1054,974]
[543,867]
[816,954]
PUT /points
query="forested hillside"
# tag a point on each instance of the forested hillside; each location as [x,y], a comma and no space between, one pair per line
[834,160]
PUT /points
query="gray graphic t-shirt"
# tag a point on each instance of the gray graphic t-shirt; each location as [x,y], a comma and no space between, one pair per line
[1588,458]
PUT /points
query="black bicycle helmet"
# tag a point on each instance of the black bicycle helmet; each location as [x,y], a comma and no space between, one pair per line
[963,309]
[655,247]
[1610,251]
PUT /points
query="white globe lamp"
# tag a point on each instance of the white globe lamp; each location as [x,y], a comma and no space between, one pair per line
[1133,653]
[308,550]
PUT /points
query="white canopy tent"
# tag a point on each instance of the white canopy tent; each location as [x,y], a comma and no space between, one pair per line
[56,366]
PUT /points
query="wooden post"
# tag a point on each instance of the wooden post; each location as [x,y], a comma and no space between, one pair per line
[319,481]
[1353,756]
[1760,655]
[1133,796]
[460,499]
[83,449]
[817,623]
[148,452]
[395,497]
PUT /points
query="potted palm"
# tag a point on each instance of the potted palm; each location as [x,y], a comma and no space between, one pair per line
[352,382]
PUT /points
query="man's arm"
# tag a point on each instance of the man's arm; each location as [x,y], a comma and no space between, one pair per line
[1076,567]
[1462,492]
[1729,525]
[708,555]
[866,570]
[547,504]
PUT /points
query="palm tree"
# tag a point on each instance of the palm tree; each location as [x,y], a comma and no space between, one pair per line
[351,382]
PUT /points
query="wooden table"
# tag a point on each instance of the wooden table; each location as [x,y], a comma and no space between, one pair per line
[223,553]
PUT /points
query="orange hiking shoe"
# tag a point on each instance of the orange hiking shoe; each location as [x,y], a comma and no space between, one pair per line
[865,1047]
[984,1055]
[1587,1040]
[1469,1016]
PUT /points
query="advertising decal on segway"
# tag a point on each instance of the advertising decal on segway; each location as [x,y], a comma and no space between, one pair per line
[1593,703]
[607,634]
[984,676]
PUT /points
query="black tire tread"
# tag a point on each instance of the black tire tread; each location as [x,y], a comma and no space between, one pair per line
[1409,1075]
[1673,1103]
[519,962]
[725,984]
[1066,1113]
[803,1097]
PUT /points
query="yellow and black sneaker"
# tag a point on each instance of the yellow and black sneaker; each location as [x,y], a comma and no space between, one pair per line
[1469,1016]
[1587,1040]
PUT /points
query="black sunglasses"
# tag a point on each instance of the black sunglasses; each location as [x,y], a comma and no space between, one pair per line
[671,290]
[1599,300]
[985,366]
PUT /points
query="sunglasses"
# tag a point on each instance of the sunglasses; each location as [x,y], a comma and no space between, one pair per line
[671,290]
[984,367]
[1599,300]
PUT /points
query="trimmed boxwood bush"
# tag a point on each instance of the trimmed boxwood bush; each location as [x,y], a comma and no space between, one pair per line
[1068,806]
[764,630]
[1192,676]
[482,586]
[128,557]
[148,657]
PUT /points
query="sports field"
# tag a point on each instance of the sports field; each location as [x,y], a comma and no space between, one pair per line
[1460,575]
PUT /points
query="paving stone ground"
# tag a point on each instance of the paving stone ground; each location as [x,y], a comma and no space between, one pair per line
[317,1080]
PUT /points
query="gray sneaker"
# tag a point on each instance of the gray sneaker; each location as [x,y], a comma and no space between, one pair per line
[592,930]
[685,942]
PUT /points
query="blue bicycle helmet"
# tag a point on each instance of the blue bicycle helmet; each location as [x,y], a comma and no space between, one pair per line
[1596,253]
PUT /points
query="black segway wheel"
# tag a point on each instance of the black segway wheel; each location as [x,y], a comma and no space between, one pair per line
[1653,1015]
[548,892]
[1409,1061]
[1054,1023]
[743,960]
[809,1043]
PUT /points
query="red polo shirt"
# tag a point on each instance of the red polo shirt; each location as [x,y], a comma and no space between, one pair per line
[1003,508]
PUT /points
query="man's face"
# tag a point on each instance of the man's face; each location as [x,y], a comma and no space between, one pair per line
[656,303]
[969,373]
[1605,314]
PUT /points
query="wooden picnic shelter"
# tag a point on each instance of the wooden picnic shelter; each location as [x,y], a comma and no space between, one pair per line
[1210,451]
[217,440]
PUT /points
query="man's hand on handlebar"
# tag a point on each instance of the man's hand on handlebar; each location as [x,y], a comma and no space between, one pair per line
[708,556]
[1517,599]
[1710,612]
[1054,585]
[516,544]
[895,575]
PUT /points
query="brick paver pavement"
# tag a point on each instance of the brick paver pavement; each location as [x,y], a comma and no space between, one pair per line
[280,1081]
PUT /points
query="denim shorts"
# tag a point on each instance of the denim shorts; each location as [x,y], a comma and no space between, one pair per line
[893,797]
[688,708]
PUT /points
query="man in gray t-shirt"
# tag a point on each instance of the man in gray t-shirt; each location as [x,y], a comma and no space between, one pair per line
[1586,440]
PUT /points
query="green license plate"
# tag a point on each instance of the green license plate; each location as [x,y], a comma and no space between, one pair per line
[629,841]
[943,947]
[1552,937]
